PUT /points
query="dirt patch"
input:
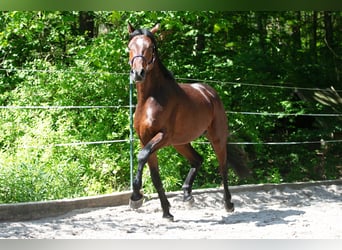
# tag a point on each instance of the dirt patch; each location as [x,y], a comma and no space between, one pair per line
[287,212]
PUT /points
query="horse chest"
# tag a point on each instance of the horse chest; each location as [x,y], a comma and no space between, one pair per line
[149,116]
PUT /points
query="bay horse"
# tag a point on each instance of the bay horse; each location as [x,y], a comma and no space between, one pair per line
[172,114]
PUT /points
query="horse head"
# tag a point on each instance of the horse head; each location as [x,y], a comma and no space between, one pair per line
[142,51]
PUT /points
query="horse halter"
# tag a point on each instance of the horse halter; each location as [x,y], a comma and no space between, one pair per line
[144,58]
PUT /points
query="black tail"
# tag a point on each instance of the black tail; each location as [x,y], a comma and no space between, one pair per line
[237,158]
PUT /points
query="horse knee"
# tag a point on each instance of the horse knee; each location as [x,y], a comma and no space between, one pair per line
[149,148]
[143,156]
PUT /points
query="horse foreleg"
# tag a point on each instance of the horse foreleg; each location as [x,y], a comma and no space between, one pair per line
[146,155]
[136,199]
[156,180]
[195,161]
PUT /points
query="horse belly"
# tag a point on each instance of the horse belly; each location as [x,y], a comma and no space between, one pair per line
[191,124]
[196,114]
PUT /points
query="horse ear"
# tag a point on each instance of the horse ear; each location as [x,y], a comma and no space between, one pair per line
[131,29]
[155,28]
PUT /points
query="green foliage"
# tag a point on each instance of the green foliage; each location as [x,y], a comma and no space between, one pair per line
[58,59]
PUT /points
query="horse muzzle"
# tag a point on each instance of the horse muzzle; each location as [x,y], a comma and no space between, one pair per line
[138,75]
[139,68]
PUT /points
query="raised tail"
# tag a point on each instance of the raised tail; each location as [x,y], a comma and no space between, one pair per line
[237,158]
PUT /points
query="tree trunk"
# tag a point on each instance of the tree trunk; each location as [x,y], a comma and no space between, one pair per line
[296,37]
[328,29]
[313,44]
[87,23]
[262,30]
[331,54]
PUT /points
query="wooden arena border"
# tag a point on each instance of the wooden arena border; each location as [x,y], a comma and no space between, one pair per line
[38,210]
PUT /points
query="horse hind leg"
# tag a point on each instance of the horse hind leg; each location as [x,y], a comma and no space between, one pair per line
[221,154]
[219,144]
[227,196]
[195,161]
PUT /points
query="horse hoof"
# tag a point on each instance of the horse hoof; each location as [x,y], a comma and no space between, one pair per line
[168,216]
[136,204]
[189,201]
[230,208]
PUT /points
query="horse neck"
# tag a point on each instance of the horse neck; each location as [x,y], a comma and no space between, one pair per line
[156,85]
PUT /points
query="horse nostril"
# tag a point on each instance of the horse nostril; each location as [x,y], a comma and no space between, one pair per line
[138,75]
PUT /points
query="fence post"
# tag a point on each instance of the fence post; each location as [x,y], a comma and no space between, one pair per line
[131,159]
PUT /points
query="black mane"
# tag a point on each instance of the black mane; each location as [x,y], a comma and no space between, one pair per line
[168,74]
